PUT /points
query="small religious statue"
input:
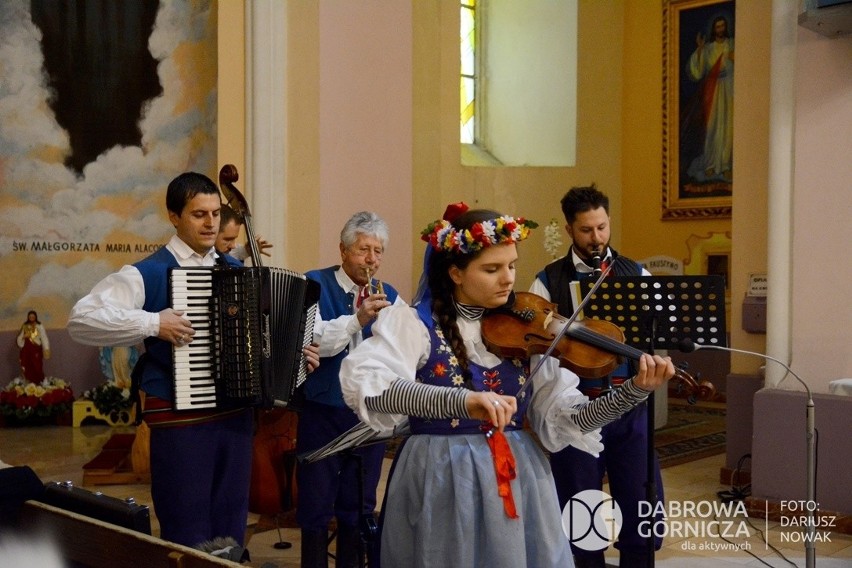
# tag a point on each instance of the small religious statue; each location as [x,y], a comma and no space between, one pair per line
[117,363]
[35,348]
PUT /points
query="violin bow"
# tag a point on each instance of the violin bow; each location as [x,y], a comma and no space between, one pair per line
[564,329]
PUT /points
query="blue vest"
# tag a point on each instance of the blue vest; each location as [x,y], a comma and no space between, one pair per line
[442,370]
[323,385]
[156,373]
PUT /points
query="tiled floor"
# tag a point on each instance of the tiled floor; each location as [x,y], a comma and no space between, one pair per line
[58,454]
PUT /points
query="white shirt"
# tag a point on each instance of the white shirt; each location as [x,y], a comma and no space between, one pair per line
[400,346]
[335,335]
[112,315]
[540,289]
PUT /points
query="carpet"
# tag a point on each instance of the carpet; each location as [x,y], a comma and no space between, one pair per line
[692,432]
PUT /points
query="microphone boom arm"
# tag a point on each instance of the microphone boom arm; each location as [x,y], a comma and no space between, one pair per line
[688,346]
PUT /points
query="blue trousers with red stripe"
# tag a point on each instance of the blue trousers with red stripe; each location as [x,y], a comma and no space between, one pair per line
[200,477]
[329,487]
[623,460]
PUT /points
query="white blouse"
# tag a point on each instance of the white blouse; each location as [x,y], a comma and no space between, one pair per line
[112,314]
[400,345]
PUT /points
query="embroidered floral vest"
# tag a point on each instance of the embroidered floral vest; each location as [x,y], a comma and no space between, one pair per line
[442,369]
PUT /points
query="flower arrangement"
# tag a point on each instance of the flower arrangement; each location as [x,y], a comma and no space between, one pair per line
[23,401]
[553,239]
[110,399]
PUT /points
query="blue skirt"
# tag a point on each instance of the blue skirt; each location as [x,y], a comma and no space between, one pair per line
[442,507]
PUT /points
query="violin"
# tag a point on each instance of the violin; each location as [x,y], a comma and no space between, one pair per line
[591,348]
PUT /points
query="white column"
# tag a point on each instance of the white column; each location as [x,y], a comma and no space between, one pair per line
[266,102]
[782,114]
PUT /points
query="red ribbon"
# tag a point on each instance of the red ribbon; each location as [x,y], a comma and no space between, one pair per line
[504,467]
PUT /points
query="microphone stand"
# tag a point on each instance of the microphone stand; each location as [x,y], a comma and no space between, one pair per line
[651,490]
[810,438]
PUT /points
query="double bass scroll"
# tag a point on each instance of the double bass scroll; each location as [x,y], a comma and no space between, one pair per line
[228,175]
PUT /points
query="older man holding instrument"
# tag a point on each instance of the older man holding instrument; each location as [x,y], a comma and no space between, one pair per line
[349,304]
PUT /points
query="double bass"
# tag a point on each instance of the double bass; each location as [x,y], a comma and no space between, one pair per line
[273,479]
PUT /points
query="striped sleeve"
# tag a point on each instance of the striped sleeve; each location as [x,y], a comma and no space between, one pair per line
[604,409]
[418,399]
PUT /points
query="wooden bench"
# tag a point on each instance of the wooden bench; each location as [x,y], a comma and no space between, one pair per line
[86,542]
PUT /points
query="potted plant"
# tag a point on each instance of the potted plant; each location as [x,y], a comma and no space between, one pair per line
[111,400]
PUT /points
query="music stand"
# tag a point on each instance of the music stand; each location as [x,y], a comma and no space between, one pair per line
[358,436]
[658,312]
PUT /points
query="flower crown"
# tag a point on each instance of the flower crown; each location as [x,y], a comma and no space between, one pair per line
[443,236]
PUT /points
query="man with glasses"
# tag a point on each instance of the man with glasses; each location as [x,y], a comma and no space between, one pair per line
[350,301]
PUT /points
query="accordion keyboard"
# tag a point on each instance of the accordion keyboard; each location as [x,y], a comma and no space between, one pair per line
[194,363]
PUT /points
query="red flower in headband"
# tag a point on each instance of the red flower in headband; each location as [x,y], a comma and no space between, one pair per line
[454,210]
[477,232]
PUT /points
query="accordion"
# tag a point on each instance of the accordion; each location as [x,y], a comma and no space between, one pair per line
[251,326]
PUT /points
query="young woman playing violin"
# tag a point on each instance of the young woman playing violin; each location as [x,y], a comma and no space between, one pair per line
[470,487]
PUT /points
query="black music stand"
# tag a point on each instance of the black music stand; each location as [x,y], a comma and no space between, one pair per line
[356,437]
[658,312]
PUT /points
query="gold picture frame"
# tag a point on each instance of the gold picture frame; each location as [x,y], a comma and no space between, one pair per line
[698,56]
[710,254]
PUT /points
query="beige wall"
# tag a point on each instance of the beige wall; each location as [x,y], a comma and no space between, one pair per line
[644,232]
[405,163]
[821,231]
[439,177]
[619,142]
[232,86]
[365,126]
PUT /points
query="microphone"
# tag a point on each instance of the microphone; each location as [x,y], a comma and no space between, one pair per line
[596,263]
[688,346]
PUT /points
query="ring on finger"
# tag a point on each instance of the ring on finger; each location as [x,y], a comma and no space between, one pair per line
[496,403]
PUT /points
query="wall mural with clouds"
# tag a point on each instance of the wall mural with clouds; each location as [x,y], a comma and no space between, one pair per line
[102,103]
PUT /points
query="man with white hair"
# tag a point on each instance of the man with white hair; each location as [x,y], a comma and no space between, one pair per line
[350,301]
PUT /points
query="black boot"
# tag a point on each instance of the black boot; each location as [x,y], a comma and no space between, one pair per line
[314,549]
[348,547]
[590,560]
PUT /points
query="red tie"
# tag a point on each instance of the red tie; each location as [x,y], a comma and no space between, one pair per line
[604,265]
[362,295]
